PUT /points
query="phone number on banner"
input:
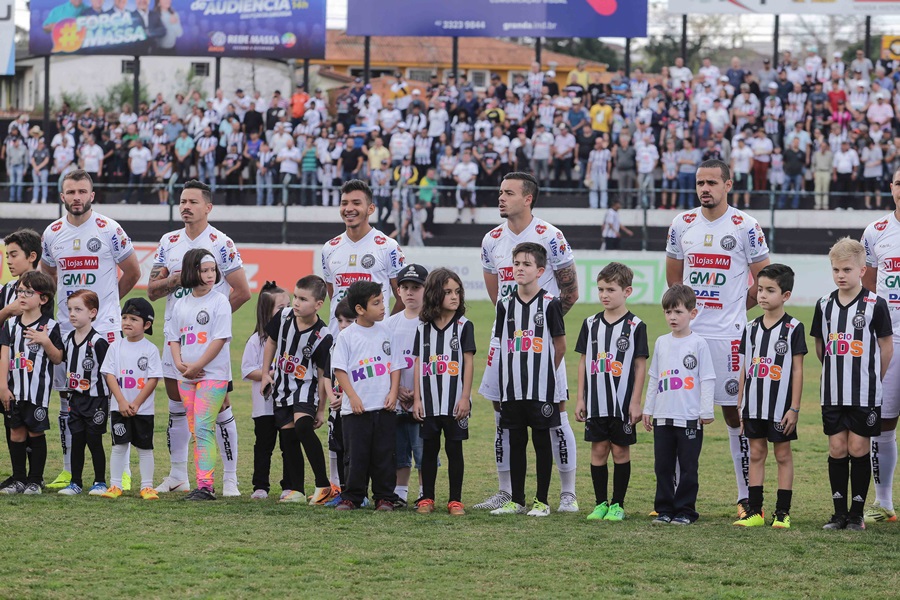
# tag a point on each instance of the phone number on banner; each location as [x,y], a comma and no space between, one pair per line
[460,24]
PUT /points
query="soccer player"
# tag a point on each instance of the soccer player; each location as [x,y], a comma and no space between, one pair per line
[882,242]
[361,253]
[85,250]
[679,403]
[165,281]
[531,334]
[23,254]
[613,345]
[852,327]
[518,197]
[716,250]
[771,384]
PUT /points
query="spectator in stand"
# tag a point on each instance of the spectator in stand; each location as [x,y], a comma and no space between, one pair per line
[625,170]
[63,159]
[542,149]
[206,158]
[563,157]
[16,163]
[646,157]
[40,169]
[288,160]
[163,165]
[139,159]
[794,162]
[598,168]
[872,160]
[845,165]
[822,168]
[762,147]
[231,174]
[687,159]
[265,175]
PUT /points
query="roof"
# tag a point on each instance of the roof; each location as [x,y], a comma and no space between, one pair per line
[402,51]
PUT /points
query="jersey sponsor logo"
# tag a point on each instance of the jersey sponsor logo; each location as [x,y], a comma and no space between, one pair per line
[506,274]
[76,244]
[843,344]
[689,217]
[440,364]
[119,231]
[709,261]
[213,237]
[94,245]
[525,341]
[127,381]
[79,263]
[734,358]
[56,226]
[892,265]
[604,363]
[707,278]
[490,356]
[708,240]
[671,236]
[20,362]
[554,247]
[737,219]
[496,233]
[563,248]
[75,381]
[881,225]
[672,380]
[763,367]
[174,238]
[78,279]
[188,337]
[380,240]
[559,235]
[540,228]
[288,365]
[348,279]
[370,367]
[101,223]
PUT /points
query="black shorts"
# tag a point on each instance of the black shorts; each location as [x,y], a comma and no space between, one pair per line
[864,422]
[335,431]
[757,429]
[519,414]
[452,429]
[617,431]
[741,182]
[88,413]
[136,430]
[284,415]
[30,416]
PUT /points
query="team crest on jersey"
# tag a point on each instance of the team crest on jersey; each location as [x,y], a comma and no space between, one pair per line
[547,410]
[539,318]
[101,223]
[454,343]
[881,225]
[781,347]
[88,363]
[728,242]
[731,387]
[213,237]
[626,427]
[335,241]
[56,226]
[174,238]
[870,420]
[203,317]
[859,321]
[540,228]
[778,426]
[380,240]
[690,362]
[623,343]
[463,423]
[496,233]
[40,414]
[143,363]
[367,261]
[94,245]
[34,347]
[98,417]
[737,219]
[307,351]
[119,429]
[689,218]
[386,347]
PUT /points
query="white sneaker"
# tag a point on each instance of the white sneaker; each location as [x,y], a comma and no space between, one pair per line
[494,502]
[259,495]
[230,489]
[172,485]
[539,509]
[509,508]
[32,489]
[284,494]
[567,503]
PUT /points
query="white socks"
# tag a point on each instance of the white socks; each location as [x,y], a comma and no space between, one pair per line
[227,438]
[501,456]
[402,491]
[562,441]
[117,461]
[884,461]
[740,454]
[65,434]
[147,467]
[333,468]
[179,437]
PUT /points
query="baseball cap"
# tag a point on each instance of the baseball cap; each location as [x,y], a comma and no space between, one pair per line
[140,308]
[414,273]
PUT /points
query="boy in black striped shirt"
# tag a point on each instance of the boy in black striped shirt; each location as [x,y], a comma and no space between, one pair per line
[611,373]
[852,327]
[771,383]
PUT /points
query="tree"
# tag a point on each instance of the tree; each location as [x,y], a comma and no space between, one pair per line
[586,48]
[661,51]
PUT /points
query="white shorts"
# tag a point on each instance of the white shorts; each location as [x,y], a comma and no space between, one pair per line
[60,373]
[727,364]
[890,387]
[490,384]
[168,364]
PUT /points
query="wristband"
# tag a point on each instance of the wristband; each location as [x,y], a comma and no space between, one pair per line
[796,410]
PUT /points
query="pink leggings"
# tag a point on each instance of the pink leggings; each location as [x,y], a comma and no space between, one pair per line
[202,401]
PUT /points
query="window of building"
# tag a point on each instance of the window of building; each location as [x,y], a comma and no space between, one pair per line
[479,79]
[127,67]
[200,69]
[419,74]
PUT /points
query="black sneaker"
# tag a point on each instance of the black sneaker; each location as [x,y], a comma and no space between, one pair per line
[855,523]
[662,520]
[743,508]
[682,520]
[201,494]
[836,522]
[401,503]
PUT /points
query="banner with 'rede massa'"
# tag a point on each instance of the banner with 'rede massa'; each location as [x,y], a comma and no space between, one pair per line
[241,28]
[498,18]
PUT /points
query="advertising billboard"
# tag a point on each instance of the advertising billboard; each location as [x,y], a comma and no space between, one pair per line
[7,37]
[240,28]
[776,7]
[498,18]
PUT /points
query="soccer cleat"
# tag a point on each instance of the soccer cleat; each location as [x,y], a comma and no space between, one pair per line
[201,494]
[539,509]
[334,501]
[751,520]
[73,489]
[599,512]
[425,506]
[496,501]
[293,497]
[836,522]
[875,513]
[384,506]
[662,520]
[567,503]
[61,481]
[743,508]
[172,485]
[283,494]
[653,513]
[782,520]
[616,513]
[400,503]
[113,492]
[12,487]
[32,489]
[855,523]
[510,508]
[323,495]
[230,489]
[148,493]
[259,495]
[682,520]
[98,489]
[126,481]
[456,509]
[345,505]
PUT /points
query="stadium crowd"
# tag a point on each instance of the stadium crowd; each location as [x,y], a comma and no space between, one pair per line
[810,123]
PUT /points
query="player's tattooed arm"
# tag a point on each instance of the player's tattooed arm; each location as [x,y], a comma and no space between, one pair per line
[567,280]
[162,284]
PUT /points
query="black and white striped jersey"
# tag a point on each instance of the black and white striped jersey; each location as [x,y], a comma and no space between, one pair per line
[30,369]
[441,365]
[610,350]
[851,362]
[297,356]
[83,362]
[767,355]
[8,293]
[525,332]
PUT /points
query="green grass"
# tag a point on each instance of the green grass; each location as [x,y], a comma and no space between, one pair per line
[236,548]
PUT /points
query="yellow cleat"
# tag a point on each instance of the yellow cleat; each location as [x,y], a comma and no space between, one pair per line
[113,492]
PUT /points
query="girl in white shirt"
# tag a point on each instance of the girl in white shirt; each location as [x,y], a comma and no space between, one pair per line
[201,352]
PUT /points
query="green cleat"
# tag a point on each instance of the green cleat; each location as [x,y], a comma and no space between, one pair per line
[751,520]
[599,512]
[126,481]
[875,513]
[539,509]
[782,520]
[62,480]
[616,513]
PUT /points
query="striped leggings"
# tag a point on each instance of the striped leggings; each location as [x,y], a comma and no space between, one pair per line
[202,401]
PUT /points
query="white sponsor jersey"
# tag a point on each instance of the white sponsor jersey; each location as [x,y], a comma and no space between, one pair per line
[717,256]
[132,364]
[498,244]
[376,258]
[882,242]
[86,258]
[170,254]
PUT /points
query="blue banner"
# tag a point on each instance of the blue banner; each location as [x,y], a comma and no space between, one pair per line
[246,28]
[7,37]
[498,18]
